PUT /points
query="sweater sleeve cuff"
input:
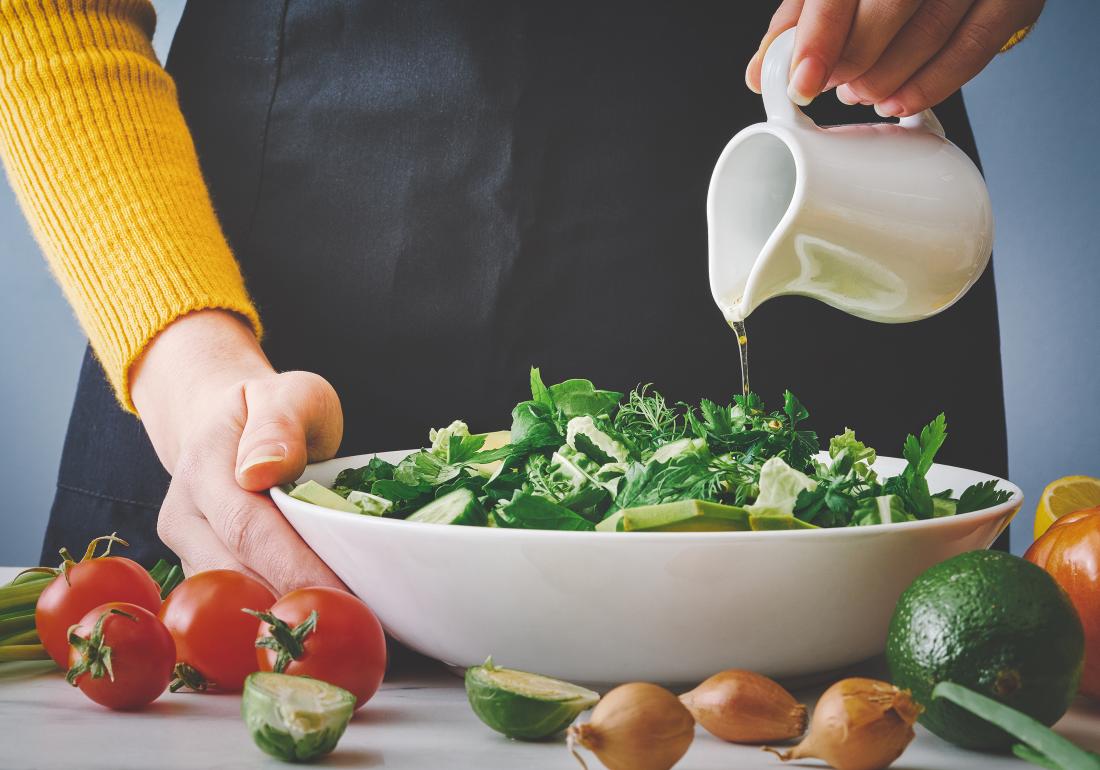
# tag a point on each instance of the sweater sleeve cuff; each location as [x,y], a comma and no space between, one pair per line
[103,165]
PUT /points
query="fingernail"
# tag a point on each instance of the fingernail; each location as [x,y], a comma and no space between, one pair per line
[845,96]
[806,81]
[748,69]
[269,453]
[888,109]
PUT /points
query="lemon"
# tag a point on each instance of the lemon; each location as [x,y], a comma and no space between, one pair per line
[1066,495]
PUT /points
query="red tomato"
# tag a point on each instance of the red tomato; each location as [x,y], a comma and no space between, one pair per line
[346,647]
[212,635]
[141,652]
[89,584]
[1070,551]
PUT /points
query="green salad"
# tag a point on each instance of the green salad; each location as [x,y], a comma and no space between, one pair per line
[581,458]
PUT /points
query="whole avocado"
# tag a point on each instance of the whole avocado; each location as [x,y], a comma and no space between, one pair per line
[994,623]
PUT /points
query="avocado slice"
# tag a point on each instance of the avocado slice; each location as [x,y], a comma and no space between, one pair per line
[312,492]
[766,522]
[613,523]
[686,516]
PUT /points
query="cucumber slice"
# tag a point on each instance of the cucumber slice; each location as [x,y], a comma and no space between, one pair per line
[457,507]
[295,718]
[523,705]
[312,492]
[686,516]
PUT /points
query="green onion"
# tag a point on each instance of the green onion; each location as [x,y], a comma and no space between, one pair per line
[1040,745]
[167,576]
[21,595]
[17,620]
[30,636]
[23,652]
[158,571]
[172,579]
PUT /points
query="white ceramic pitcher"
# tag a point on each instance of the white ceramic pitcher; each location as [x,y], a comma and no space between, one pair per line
[889,222]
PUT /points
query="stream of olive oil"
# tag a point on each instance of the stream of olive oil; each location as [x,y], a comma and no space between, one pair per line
[743,349]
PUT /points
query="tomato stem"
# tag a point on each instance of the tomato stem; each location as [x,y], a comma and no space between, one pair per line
[288,643]
[184,675]
[67,560]
[95,656]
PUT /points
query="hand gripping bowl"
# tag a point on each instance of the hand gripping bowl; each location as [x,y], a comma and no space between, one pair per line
[610,607]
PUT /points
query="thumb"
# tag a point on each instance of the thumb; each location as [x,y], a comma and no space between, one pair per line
[291,419]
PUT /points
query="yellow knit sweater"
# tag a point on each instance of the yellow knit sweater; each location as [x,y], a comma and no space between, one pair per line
[102,163]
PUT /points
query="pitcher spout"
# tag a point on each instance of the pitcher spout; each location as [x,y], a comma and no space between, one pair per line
[754,187]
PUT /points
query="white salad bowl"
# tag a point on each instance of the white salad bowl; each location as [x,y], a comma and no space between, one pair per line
[609,607]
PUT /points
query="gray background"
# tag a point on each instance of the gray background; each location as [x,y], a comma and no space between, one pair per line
[1034,116]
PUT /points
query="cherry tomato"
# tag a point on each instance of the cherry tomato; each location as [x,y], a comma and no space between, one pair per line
[1070,552]
[139,649]
[214,638]
[89,583]
[342,645]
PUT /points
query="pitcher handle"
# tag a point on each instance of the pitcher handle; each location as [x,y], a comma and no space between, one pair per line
[924,121]
[775,77]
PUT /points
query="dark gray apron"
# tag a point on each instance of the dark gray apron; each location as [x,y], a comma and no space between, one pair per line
[429,196]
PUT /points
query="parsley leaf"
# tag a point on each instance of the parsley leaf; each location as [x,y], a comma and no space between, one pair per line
[981,495]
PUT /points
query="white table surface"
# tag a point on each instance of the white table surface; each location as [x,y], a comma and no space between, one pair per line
[419,720]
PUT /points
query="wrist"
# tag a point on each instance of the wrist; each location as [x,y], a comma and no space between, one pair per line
[192,362]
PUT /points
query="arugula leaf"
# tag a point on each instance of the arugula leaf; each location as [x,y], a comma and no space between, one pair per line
[467,480]
[686,477]
[361,479]
[982,495]
[396,490]
[528,511]
[509,478]
[405,498]
[425,467]
[539,392]
[534,428]
[569,479]
[574,398]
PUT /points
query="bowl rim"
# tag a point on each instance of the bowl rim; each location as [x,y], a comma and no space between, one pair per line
[1008,508]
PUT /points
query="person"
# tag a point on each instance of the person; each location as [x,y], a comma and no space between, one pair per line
[424,198]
